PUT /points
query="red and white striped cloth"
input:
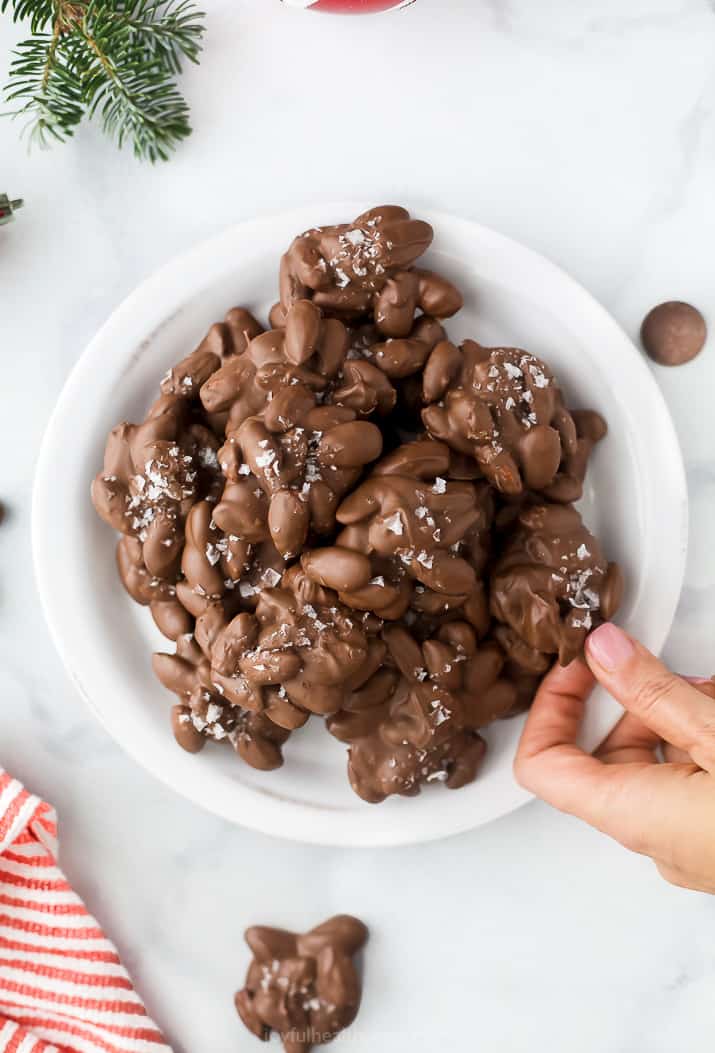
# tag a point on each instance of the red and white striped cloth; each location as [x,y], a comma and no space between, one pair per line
[62,986]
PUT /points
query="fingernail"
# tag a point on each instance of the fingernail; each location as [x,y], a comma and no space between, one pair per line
[698,679]
[609,647]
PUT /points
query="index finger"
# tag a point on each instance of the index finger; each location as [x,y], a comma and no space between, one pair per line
[677,711]
[548,762]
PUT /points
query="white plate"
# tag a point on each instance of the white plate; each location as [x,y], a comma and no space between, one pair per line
[636,502]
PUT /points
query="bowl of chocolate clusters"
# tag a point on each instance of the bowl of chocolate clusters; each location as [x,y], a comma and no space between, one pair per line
[336,498]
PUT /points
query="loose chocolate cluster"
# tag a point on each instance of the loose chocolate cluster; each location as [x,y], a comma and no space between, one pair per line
[304,987]
[348,516]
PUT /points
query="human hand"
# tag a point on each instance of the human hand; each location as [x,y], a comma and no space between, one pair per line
[662,810]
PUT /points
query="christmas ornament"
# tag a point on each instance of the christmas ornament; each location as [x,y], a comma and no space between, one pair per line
[349,7]
[7,207]
[111,60]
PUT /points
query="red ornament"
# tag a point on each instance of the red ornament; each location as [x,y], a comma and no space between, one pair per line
[349,7]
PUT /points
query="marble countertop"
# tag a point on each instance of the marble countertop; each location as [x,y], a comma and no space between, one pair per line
[585,130]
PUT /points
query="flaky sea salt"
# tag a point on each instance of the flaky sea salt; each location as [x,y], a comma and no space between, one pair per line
[213,712]
[394,524]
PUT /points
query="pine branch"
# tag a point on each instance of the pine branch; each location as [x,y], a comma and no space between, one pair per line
[111,59]
[44,79]
[164,31]
[40,12]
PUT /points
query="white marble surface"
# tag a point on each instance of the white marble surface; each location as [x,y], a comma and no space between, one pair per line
[587,130]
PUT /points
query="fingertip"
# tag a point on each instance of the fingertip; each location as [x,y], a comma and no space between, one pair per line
[675,709]
[517,768]
[608,648]
[523,769]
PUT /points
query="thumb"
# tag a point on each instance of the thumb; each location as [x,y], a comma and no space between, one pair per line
[668,705]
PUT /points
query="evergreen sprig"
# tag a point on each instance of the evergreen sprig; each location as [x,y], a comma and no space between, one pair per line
[111,59]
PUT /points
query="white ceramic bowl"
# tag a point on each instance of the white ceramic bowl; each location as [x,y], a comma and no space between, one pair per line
[635,502]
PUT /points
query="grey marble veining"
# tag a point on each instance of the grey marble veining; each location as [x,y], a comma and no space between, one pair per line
[587,131]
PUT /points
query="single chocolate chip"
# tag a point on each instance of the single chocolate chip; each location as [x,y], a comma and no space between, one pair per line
[673,333]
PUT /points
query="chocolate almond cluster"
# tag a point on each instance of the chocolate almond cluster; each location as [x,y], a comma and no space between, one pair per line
[349,518]
[305,987]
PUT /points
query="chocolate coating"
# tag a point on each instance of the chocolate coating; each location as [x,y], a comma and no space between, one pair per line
[204,713]
[550,587]
[343,266]
[673,333]
[302,646]
[172,618]
[567,486]
[415,527]
[503,407]
[361,270]
[301,453]
[156,471]
[304,987]
[311,549]
[153,474]
[380,766]
[415,720]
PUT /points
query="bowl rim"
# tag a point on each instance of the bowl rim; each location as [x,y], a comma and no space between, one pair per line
[168,285]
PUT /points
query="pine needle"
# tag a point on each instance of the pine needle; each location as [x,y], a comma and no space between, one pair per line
[111,60]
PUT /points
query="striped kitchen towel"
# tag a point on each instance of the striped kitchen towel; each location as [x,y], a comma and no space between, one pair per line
[62,986]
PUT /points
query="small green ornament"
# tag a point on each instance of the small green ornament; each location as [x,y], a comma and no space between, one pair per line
[7,207]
